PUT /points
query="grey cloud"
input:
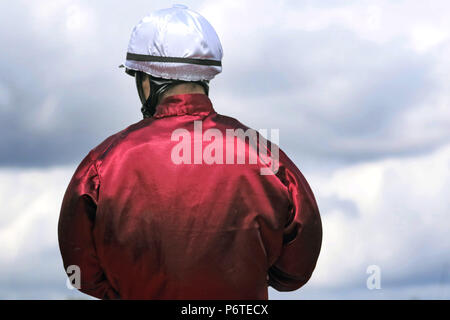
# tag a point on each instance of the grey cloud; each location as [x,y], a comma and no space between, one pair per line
[360,119]
[39,275]
[63,98]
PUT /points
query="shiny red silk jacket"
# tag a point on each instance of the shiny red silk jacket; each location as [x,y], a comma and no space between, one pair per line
[140,226]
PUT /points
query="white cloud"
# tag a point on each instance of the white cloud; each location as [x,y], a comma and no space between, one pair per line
[401,225]
[30,263]
[30,199]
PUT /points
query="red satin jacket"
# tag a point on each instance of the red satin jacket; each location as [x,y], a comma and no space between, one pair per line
[140,226]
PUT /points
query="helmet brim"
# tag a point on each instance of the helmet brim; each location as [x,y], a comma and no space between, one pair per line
[128,71]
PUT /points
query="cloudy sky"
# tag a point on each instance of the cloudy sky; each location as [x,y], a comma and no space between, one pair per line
[360,91]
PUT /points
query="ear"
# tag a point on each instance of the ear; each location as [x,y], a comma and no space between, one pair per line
[146,86]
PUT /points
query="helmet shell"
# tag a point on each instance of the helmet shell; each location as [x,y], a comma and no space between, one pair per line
[175,43]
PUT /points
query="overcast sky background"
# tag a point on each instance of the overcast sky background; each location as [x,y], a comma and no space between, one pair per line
[360,91]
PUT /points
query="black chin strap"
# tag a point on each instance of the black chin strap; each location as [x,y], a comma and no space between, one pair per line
[157,88]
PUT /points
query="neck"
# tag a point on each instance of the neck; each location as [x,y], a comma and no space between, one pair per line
[183,88]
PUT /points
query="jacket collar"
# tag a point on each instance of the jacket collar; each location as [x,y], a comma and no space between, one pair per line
[184,104]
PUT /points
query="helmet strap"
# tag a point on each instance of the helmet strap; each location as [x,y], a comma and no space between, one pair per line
[158,86]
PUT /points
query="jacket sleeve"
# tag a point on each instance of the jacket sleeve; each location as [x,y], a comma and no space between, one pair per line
[76,222]
[302,237]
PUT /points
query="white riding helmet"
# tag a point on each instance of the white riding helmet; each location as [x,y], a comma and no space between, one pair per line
[175,43]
